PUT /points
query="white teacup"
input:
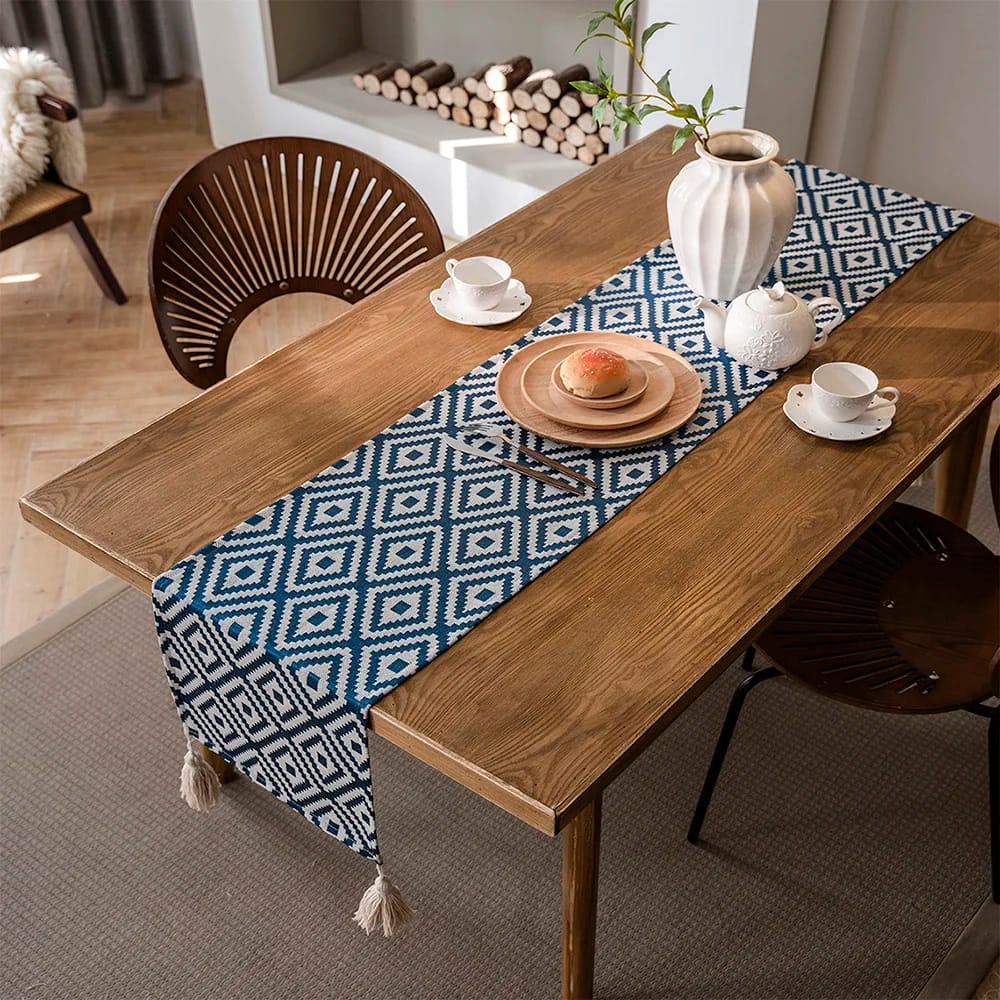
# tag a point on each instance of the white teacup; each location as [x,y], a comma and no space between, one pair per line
[480,282]
[842,391]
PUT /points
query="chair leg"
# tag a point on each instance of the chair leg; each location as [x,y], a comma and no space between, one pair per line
[993,739]
[748,658]
[718,758]
[96,261]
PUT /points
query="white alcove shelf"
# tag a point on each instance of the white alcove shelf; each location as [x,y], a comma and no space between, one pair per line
[314,48]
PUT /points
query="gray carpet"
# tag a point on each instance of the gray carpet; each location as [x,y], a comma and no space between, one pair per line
[844,854]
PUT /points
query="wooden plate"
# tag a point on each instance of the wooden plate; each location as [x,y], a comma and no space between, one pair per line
[540,390]
[682,406]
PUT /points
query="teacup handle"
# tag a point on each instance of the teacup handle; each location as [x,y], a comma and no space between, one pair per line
[450,264]
[824,330]
[886,394]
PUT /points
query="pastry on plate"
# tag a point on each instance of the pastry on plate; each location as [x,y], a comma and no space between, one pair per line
[595,373]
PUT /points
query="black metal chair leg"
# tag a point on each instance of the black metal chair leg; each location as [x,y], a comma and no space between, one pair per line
[748,657]
[732,717]
[993,738]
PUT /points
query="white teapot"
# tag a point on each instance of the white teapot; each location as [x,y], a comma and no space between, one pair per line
[768,327]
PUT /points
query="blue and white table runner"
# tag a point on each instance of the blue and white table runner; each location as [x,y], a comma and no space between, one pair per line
[279,636]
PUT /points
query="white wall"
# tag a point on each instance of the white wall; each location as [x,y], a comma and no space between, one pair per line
[710,42]
[908,97]
[762,55]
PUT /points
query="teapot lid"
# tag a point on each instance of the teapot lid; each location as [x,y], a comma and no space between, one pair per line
[774,301]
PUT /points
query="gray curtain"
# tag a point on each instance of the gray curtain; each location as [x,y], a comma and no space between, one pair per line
[102,44]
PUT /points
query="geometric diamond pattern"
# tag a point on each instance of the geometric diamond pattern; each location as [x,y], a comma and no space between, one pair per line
[278,636]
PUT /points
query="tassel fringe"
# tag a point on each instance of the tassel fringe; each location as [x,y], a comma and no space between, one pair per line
[382,905]
[199,782]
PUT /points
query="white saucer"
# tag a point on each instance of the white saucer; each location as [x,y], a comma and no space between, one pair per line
[447,304]
[799,409]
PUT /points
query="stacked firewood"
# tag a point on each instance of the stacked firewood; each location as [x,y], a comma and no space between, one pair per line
[536,107]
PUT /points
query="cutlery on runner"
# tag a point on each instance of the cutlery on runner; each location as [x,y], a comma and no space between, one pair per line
[496,432]
[513,466]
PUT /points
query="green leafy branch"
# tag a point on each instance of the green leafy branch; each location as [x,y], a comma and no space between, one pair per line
[631,108]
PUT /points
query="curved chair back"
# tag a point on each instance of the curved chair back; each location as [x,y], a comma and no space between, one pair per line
[269,217]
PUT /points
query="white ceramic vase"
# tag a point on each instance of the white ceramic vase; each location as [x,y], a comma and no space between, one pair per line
[729,217]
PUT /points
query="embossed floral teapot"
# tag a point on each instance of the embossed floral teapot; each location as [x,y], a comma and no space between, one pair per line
[768,327]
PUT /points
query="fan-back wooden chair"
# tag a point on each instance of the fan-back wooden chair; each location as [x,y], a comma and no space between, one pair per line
[269,217]
[907,621]
[49,204]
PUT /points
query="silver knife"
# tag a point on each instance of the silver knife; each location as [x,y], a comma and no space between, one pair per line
[513,466]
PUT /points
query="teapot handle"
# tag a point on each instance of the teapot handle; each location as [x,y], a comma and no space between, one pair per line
[824,330]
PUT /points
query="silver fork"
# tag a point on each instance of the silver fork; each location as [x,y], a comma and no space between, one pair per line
[496,432]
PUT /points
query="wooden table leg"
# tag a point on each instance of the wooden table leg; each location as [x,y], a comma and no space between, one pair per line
[581,851]
[958,467]
[220,765]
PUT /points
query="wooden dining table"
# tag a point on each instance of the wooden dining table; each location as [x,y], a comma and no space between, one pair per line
[547,700]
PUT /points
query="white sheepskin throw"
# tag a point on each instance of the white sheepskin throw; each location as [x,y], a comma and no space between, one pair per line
[27,138]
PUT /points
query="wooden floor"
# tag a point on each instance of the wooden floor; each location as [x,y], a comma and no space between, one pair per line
[78,372]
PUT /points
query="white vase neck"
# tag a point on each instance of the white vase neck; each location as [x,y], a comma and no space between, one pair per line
[754,149]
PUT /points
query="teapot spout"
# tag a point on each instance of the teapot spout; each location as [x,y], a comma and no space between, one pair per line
[715,322]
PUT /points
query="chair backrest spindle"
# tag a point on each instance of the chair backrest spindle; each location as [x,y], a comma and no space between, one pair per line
[268,217]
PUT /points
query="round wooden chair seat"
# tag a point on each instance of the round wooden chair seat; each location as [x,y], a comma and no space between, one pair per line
[907,620]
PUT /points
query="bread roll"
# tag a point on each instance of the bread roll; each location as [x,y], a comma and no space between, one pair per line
[594,373]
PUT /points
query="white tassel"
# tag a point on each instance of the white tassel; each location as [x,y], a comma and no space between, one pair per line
[199,782]
[382,904]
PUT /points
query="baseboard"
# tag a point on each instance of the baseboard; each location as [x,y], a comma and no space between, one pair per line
[969,959]
[65,616]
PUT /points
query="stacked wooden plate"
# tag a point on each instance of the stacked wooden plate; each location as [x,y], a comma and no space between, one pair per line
[664,392]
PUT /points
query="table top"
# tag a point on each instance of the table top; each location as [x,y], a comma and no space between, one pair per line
[545,701]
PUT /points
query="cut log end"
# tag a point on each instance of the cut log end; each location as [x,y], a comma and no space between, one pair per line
[432,78]
[557,84]
[404,75]
[507,75]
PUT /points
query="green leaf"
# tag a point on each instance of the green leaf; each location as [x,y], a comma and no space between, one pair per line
[626,26]
[663,86]
[649,32]
[706,101]
[629,114]
[618,128]
[601,74]
[600,108]
[680,137]
[648,109]
[590,38]
[600,16]
[586,87]
[686,111]
[600,34]
[720,111]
